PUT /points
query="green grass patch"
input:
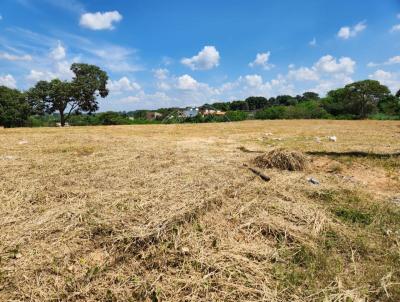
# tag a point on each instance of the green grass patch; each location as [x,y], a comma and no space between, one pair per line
[362,252]
[353,216]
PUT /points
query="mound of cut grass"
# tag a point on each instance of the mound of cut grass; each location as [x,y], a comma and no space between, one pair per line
[282,159]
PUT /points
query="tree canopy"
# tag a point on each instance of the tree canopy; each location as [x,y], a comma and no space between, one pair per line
[14,108]
[256,102]
[79,95]
[359,98]
[309,95]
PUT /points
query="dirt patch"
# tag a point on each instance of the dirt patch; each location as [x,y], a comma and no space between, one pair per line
[372,178]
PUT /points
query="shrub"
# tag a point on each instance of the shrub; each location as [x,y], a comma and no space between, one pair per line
[383,116]
[47,120]
[390,106]
[235,116]
[306,110]
[271,113]
[112,118]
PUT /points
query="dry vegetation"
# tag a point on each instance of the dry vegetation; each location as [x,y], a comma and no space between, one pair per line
[282,159]
[170,213]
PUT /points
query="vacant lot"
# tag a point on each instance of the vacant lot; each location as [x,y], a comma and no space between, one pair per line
[170,213]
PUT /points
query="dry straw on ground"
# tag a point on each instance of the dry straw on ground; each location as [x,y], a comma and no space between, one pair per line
[282,159]
[169,213]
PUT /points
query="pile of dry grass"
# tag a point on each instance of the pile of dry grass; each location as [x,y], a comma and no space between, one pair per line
[282,159]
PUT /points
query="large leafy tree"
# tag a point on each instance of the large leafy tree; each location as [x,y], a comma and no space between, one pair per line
[239,105]
[309,95]
[359,98]
[336,102]
[256,102]
[79,95]
[364,96]
[285,100]
[14,108]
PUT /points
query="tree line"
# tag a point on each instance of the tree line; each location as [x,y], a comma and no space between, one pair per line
[358,100]
[76,102]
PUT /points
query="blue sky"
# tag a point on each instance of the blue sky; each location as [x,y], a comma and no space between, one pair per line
[181,53]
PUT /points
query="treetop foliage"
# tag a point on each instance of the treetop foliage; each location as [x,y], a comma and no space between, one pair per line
[79,95]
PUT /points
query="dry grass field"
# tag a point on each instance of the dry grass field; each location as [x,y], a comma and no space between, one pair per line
[171,213]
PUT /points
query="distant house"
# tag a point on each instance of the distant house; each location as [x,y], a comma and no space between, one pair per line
[207,111]
[152,115]
[190,112]
[212,112]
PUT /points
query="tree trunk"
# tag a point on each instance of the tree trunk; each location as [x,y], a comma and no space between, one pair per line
[62,119]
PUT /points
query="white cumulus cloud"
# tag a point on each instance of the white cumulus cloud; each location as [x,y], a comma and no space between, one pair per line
[303,74]
[8,81]
[347,32]
[261,60]
[162,76]
[161,73]
[58,52]
[393,60]
[390,79]
[123,84]
[329,64]
[326,67]
[100,21]
[37,75]
[207,58]
[60,70]
[254,80]
[63,70]
[186,82]
[325,74]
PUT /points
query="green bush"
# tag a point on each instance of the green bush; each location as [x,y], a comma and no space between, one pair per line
[112,118]
[306,110]
[234,116]
[83,120]
[383,116]
[47,120]
[271,113]
[390,106]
